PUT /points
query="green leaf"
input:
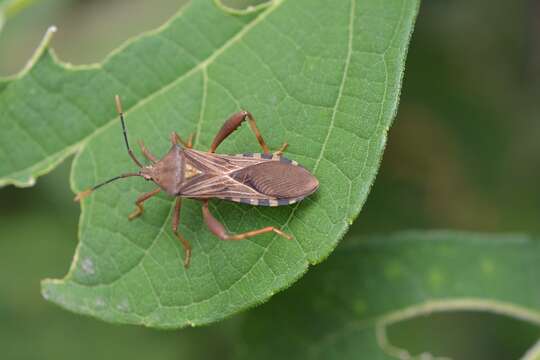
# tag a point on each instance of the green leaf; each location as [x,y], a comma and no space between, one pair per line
[9,8]
[344,306]
[325,77]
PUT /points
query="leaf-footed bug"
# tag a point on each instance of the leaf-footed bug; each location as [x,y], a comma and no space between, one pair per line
[266,179]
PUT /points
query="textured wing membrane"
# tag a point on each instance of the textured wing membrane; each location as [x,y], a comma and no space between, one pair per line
[277,179]
[251,178]
[224,164]
[218,187]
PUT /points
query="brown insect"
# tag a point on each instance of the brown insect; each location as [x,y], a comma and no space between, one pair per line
[266,179]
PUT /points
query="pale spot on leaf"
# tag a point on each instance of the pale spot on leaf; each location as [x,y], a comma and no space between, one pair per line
[123,305]
[87,266]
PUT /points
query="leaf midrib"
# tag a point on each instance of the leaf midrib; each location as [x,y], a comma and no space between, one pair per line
[202,66]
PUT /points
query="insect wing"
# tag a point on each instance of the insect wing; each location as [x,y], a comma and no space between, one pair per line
[256,179]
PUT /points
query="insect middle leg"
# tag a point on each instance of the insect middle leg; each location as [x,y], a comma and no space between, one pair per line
[139,203]
[175,223]
[233,123]
[219,230]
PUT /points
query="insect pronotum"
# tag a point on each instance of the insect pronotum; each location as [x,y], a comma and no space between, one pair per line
[261,179]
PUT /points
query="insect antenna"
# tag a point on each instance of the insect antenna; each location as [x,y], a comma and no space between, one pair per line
[83,194]
[124,130]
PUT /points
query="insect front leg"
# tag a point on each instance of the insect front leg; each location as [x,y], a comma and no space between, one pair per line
[147,154]
[175,223]
[219,230]
[139,203]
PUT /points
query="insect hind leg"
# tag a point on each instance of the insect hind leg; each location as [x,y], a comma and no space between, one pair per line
[232,124]
[219,230]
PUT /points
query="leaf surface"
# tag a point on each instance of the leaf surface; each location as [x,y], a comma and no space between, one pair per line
[325,77]
[344,306]
[9,8]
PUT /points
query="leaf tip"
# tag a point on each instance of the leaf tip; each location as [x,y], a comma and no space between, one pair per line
[47,289]
[52,29]
[43,46]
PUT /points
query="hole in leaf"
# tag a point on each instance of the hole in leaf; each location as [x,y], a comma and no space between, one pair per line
[464,335]
[242,4]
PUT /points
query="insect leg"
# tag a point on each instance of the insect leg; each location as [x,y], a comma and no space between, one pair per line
[121,113]
[190,140]
[147,154]
[281,149]
[175,139]
[219,230]
[139,203]
[175,223]
[232,124]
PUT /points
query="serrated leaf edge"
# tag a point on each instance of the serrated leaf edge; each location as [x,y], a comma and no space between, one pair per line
[270,6]
[44,46]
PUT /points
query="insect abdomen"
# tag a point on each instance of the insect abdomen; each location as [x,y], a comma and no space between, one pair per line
[282,182]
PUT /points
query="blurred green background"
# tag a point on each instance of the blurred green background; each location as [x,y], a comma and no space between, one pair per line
[469,101]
